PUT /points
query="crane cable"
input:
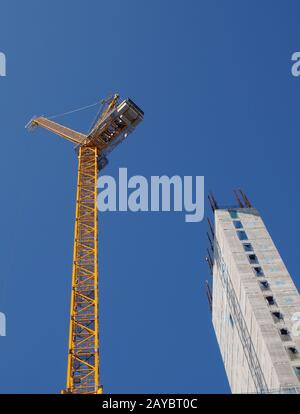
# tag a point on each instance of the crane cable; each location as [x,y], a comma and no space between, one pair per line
[74,110]
[101,110]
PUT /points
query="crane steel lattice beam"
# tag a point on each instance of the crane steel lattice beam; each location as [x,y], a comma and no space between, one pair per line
[112,126]
[83,356]
[64,132]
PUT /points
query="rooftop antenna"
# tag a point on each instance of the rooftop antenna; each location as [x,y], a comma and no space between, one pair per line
[209,264]
[246,200]
[210,260]
[238,199]
[211,227]
[210,241]
[213,202]
[208,294]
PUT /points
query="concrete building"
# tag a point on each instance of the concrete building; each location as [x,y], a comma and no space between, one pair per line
[255,306]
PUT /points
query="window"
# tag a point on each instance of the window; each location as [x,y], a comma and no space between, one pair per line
[288,300]
[233,214]
[279,282]
[284,334]
[270,300]
[258,271]
[237,224]
[297,371]
[248,247]
[242,235]
[292,352]
[277,316]
[273,268]
[264,285]
[253,258]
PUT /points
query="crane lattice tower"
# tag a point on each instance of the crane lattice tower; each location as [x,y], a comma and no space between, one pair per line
[111,126]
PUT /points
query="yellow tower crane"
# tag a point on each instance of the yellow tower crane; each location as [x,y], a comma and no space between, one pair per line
[114,123]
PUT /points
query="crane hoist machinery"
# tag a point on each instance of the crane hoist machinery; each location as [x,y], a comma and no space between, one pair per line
[114,122]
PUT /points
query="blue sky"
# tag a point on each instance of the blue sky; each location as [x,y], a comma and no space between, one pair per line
[214,80]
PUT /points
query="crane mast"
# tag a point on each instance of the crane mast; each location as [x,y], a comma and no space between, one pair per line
[83,354]
[113,125]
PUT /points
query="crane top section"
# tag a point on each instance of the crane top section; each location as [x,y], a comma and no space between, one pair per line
[115,123]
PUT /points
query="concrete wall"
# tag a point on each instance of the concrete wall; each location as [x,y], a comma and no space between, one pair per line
[276,363]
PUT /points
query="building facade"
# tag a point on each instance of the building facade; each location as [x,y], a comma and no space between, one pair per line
[255,306]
